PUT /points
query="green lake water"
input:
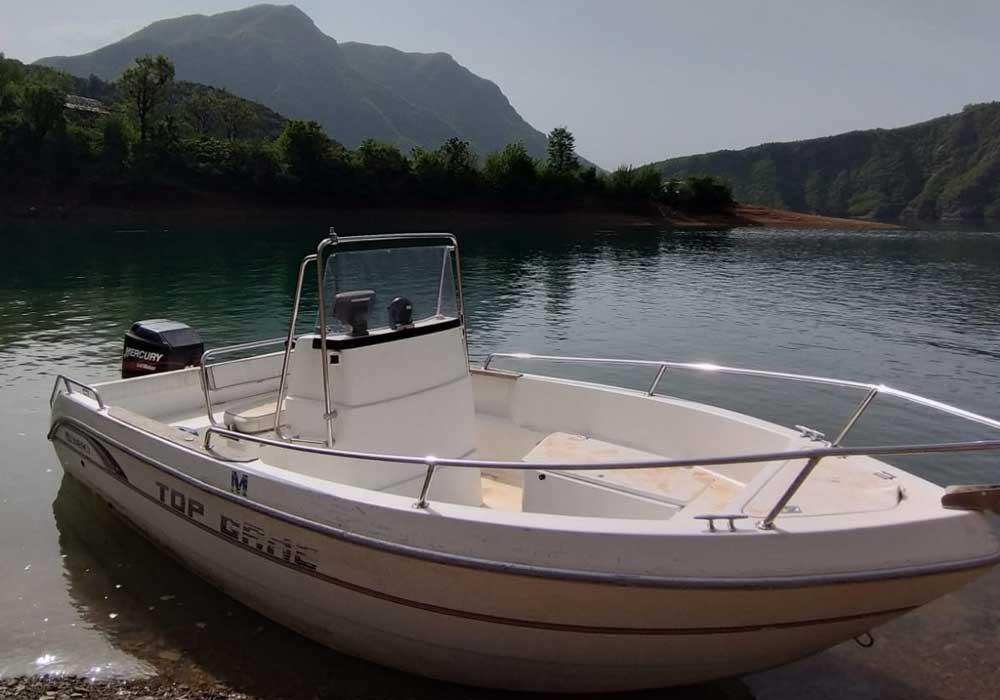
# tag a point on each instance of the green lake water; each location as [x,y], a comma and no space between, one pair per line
[80,593]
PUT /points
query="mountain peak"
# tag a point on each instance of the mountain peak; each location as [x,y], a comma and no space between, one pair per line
[273,22]
[276,55]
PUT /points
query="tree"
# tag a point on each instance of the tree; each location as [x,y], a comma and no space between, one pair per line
[510,172]
[211,112]
[590,181]
[164,148]
[382,167]
[648,183]
[305,148]
[459,161]
[42,109]
[562,152]
[116,143]
[238,118]
[319,163]
[446,173]
[629,183]
[698,193]
[621,181]
[10,77]
[145,86]
[201,111]
[429,173]
[708,193]
[255,164]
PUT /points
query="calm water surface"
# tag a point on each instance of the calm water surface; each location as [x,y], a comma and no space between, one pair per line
[80,593]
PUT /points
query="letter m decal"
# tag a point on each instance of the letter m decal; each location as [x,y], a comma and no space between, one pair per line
[238,483]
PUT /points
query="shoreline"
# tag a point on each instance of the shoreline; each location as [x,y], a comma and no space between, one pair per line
[75,687]
[231,211]
[53,687]
[753,215]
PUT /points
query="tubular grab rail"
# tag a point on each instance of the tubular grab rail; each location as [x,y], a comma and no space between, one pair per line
[786,455]
[873,392]
[812,457]
[289,342]
[664,365]
[208,354]
[68,384]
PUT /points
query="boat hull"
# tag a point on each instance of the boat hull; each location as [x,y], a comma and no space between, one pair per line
[482,625]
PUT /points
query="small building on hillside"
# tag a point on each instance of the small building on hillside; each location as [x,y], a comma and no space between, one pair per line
[84,107]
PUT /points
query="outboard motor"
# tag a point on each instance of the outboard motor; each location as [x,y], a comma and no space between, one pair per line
[160,345]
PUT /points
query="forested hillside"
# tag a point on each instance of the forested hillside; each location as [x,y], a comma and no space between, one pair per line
[69,142]
[946,168]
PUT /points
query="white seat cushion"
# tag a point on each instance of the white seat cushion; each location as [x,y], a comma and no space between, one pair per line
[252,416]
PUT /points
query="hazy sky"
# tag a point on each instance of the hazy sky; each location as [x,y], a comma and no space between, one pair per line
[639,80]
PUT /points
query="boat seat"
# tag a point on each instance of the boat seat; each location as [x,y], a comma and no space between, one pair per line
[678,486]
[649,492]
[229,450]
[500,495]
[252,416]
[837,486]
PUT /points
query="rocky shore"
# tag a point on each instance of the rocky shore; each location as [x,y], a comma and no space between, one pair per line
[753,215]
[80,688]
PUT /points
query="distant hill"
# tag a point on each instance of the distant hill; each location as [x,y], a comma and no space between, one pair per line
[275,55]
[946,168]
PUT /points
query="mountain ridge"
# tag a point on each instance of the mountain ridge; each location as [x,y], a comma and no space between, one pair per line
[424,78]
[276,55]
[945,168]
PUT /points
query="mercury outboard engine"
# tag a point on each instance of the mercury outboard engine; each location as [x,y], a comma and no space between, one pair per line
[160,345]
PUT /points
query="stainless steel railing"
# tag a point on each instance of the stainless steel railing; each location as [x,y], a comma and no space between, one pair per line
[812,455]
[68,383]
[873,392]
[290,342]
[664,365]
[206,378]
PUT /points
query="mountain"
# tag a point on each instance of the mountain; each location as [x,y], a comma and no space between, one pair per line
[946,168]
[277,56]
[474,107]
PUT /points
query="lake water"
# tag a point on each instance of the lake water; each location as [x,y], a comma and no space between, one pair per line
[80,593]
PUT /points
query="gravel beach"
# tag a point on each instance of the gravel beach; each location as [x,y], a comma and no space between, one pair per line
[80,688]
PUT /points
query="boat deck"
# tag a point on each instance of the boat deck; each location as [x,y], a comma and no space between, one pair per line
[837,486]
[694,489]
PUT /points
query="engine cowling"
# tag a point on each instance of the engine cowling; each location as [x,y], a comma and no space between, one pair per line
[160,345]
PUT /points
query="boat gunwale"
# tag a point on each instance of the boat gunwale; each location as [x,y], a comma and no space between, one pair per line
[833,449]
[512,568]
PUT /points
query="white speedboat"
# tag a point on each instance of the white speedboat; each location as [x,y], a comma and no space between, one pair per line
[362,484]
